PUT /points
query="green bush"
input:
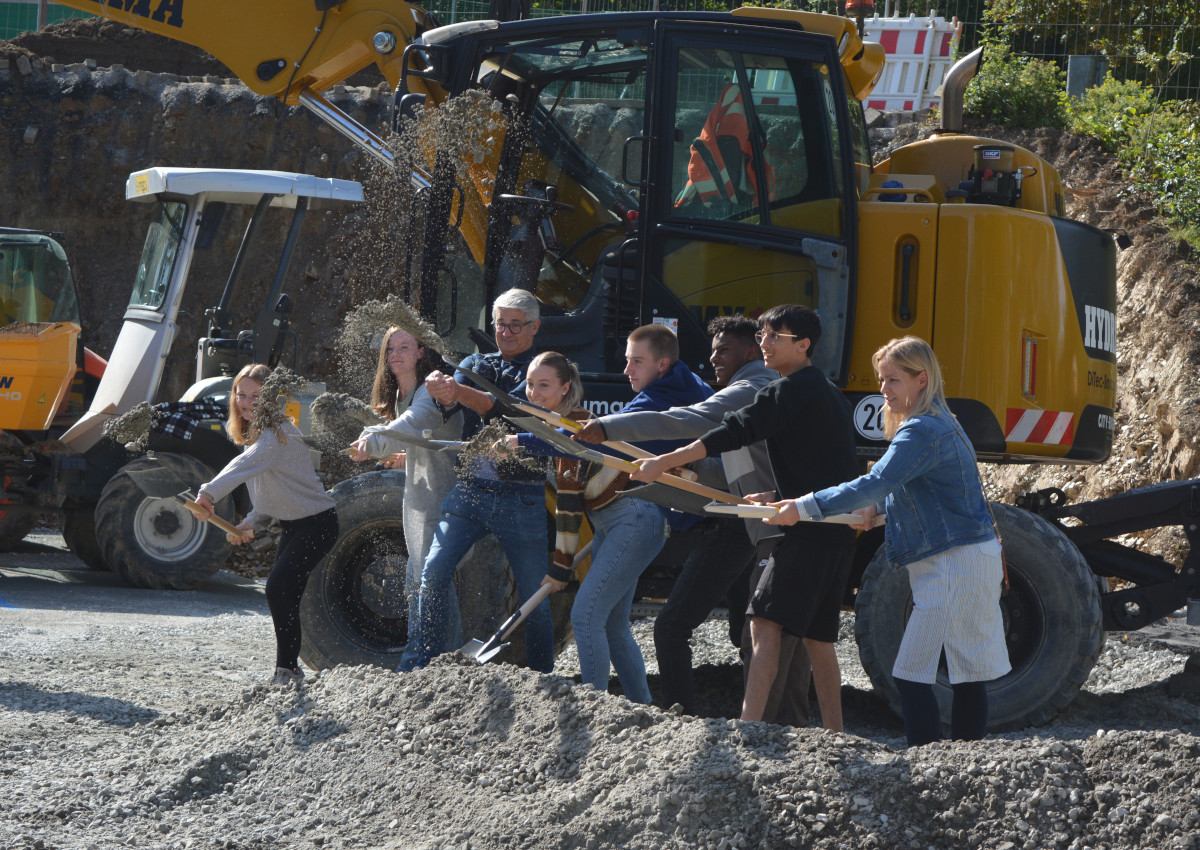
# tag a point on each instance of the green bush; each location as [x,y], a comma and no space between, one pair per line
[1016,91]
[1113,112]
[1158,143]
[1166,163]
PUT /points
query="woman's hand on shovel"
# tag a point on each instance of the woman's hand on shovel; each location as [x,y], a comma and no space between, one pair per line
[205,506]
[245,533]
[555,586]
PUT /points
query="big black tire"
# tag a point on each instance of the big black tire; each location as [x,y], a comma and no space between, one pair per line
[13,525]
[79,532]
[158,543]
[354,609]
[1051,623]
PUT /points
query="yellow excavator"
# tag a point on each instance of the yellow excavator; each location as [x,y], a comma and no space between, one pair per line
[669,167]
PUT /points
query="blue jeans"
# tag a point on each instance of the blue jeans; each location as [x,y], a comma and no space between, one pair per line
[518,521]
[626,535]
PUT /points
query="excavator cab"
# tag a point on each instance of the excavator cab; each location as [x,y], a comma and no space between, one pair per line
[679,178]
[39,329]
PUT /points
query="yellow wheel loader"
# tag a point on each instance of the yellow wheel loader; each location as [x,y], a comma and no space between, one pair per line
[670,167]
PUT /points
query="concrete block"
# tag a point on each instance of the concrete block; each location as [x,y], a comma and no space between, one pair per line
[31,134]
[1085,72]
[24,66]
[91,64]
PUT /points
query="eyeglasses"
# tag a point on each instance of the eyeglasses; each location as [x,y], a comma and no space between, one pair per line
[771,337]
[248,396]
[513,328]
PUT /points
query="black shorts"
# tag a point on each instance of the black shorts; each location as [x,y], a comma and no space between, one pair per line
[802,586]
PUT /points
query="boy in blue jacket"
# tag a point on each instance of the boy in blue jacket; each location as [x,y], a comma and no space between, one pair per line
[626,532]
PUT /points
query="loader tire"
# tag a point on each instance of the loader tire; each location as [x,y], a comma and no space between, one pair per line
[79,532]
[354,610]
[158,543]
[1051,616]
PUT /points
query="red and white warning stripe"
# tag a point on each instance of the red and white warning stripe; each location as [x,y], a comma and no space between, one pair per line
[1050,427]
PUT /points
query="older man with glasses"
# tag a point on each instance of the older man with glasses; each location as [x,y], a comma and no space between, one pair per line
[503,497]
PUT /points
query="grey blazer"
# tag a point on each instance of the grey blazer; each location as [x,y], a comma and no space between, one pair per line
[747,470]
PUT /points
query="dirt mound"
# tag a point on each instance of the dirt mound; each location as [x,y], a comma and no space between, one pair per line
[110,43]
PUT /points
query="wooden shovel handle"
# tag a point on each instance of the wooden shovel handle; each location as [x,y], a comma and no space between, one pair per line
[220,523]
[678,482]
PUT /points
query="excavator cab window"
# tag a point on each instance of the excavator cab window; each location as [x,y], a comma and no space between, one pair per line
[35,280]
[752,141]
[158,255]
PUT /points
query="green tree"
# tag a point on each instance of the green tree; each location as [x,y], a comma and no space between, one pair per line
[1152,40]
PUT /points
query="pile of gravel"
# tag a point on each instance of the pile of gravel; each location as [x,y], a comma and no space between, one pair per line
[162,734]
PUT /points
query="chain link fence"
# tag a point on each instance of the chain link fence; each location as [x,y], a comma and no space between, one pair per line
[18,16]
[1156,42]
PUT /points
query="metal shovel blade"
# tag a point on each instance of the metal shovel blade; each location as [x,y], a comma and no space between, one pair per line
[158,482]
[482,651]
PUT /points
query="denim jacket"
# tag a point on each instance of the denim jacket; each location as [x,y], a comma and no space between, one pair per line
[930,487]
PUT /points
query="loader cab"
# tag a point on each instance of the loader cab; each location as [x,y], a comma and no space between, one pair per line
[662,168]
[190,205]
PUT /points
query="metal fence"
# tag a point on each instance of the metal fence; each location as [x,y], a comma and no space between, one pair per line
[18,16]
[1153,41]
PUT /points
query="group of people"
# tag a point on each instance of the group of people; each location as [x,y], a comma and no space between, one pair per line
[776,431]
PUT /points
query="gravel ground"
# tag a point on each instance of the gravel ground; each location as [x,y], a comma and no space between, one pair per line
[133,718]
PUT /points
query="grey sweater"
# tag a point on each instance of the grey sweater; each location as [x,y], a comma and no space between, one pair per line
[428,475]
[280,477]
[746,470]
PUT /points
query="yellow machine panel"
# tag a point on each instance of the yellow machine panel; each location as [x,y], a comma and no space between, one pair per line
[36,372]
[1039,361]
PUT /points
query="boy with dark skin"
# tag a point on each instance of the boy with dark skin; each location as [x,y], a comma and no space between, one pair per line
[806,423]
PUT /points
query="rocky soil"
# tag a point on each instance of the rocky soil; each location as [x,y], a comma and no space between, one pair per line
[159,732]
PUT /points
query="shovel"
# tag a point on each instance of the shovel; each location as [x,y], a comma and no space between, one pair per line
[484,651]
[158,482]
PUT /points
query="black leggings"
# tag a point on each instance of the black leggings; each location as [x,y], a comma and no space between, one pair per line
[302,545]
[923,718]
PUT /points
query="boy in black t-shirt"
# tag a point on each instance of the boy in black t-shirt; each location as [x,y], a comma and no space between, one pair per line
[806,423]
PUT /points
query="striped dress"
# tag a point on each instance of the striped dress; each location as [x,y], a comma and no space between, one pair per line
[955,610]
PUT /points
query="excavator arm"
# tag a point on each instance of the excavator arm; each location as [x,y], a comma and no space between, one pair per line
[281,48]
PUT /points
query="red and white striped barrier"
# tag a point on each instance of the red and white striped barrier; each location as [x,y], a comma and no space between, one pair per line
[1049,427]
[919,53]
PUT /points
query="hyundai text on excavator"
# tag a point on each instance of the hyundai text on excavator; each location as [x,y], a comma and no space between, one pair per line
[638,167]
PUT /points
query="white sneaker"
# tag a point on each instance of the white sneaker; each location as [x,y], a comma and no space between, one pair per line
[286,678]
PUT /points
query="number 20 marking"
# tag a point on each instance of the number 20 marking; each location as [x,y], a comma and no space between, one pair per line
[868,417]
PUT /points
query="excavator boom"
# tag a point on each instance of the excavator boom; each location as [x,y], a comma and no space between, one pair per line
[280,47]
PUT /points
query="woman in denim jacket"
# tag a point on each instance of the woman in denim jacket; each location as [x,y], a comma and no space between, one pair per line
[939,527]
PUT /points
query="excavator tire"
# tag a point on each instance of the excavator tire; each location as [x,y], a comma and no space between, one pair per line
[79,532]
[1051,620]
[354,609]
[158,543]
[13,527]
